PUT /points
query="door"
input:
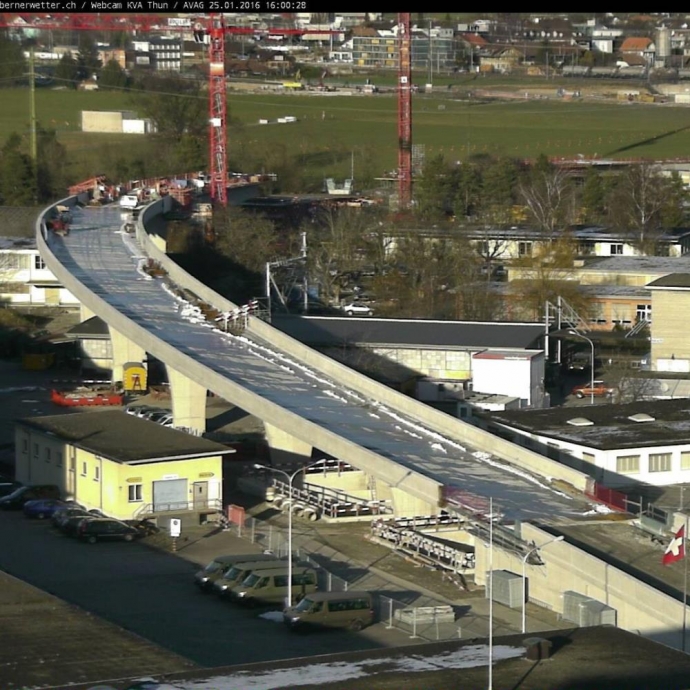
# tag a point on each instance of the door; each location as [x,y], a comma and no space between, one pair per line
[170,494]
[200,495]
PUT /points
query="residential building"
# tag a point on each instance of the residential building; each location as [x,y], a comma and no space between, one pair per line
[639,46]
[25,281]
[376,50]
[619,445]
[124,466]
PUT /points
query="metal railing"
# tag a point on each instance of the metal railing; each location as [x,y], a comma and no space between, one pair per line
[211,504]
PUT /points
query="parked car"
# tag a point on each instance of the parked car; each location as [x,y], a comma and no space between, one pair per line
[357,309]
[164,418]
[63,514]
[70,526]
[41,508]
[580,361]
[17,499]
[353,610]
[153,413]
[8,487]
[137,410]
[144,527]
[598,390]
[205,578]
[105,529]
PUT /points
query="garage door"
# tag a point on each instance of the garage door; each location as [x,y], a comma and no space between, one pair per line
[170,495]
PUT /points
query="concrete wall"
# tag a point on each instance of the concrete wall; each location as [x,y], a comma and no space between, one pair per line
[437,363]
[640,607]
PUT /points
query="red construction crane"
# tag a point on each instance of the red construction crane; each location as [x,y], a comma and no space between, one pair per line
[404,112]
[211,25]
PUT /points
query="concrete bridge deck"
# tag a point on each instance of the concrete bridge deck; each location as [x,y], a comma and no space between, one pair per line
[98,263]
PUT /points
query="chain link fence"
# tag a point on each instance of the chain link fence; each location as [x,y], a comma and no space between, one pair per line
[429,623]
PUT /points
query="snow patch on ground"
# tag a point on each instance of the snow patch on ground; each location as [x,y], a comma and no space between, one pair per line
[324,673]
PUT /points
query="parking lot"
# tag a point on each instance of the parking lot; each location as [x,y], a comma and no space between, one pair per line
[151,593]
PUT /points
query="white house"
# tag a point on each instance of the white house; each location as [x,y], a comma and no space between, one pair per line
[24,279]
[645,442]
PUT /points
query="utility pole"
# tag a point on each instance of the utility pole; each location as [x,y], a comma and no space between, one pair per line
[32,119]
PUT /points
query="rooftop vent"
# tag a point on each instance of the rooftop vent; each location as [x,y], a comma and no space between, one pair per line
[641,417]
[580,421]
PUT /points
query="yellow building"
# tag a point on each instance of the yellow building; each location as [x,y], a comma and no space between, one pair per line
[122,465]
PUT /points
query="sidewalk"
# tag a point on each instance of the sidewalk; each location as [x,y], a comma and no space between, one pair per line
[410,586]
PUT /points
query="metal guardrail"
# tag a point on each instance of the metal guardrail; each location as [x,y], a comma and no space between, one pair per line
[212,504]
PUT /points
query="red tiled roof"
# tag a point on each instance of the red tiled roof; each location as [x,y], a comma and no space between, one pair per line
[635,43]
[474,39]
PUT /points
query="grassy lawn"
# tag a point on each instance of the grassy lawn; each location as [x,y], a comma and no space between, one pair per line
[329,128]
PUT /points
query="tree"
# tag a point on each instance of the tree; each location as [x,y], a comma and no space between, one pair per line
[499,183]
[544,276]
[593,197]
[67,71]
[547,192]
[112,76]
[51,166]
[333,241]
[469,189]
[434,190]
[87,58]
[17,179]
[176,105]
[12,61]
[247,239]
[637,203]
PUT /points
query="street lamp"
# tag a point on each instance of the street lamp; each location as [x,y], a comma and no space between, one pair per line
[524,577]
[577,334]
[290,478]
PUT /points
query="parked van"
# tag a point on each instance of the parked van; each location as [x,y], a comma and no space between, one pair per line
[271,586]
[239,572]
[205,578]
[353,610]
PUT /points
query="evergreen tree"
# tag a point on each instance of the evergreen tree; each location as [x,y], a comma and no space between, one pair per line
[12,63]
[67,71]
[17,179]
[87,59]
[112,76]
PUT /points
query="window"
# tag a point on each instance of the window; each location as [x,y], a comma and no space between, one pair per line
[616,249]
[96,473]
[39,264]
[589,457]
[72,464]
[35,450]
[685,460]
[644,312]
[628,464]
[524,249]
[660,462]
[25,445]
[47,454]
[12,262]
[281,580]
[58,459]
[134,493]
[83,469]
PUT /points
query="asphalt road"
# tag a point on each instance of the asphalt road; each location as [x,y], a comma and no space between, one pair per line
[150,593]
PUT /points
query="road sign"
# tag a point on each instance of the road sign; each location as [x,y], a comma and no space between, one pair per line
[175,527]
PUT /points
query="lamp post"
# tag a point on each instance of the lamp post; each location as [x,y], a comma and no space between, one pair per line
[577,334]
[524,577]
[290,479]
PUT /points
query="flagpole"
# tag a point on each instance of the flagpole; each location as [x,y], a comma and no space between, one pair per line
[491,593]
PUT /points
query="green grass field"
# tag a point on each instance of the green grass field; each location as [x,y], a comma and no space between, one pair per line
[329,128]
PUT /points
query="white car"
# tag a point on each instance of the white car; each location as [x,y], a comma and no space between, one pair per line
[357,309]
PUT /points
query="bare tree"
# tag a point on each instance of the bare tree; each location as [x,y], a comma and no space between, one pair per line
[548,194]
[636,205]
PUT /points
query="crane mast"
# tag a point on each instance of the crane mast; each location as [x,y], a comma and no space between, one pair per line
[218,138]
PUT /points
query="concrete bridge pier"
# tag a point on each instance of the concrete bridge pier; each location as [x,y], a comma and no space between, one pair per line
[85,313]
[125,351]
[188,401]
[284,447]
[407,505]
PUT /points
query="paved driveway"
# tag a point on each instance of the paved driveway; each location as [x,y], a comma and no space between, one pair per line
[151,594]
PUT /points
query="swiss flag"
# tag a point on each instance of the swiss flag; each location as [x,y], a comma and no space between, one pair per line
[675,551]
